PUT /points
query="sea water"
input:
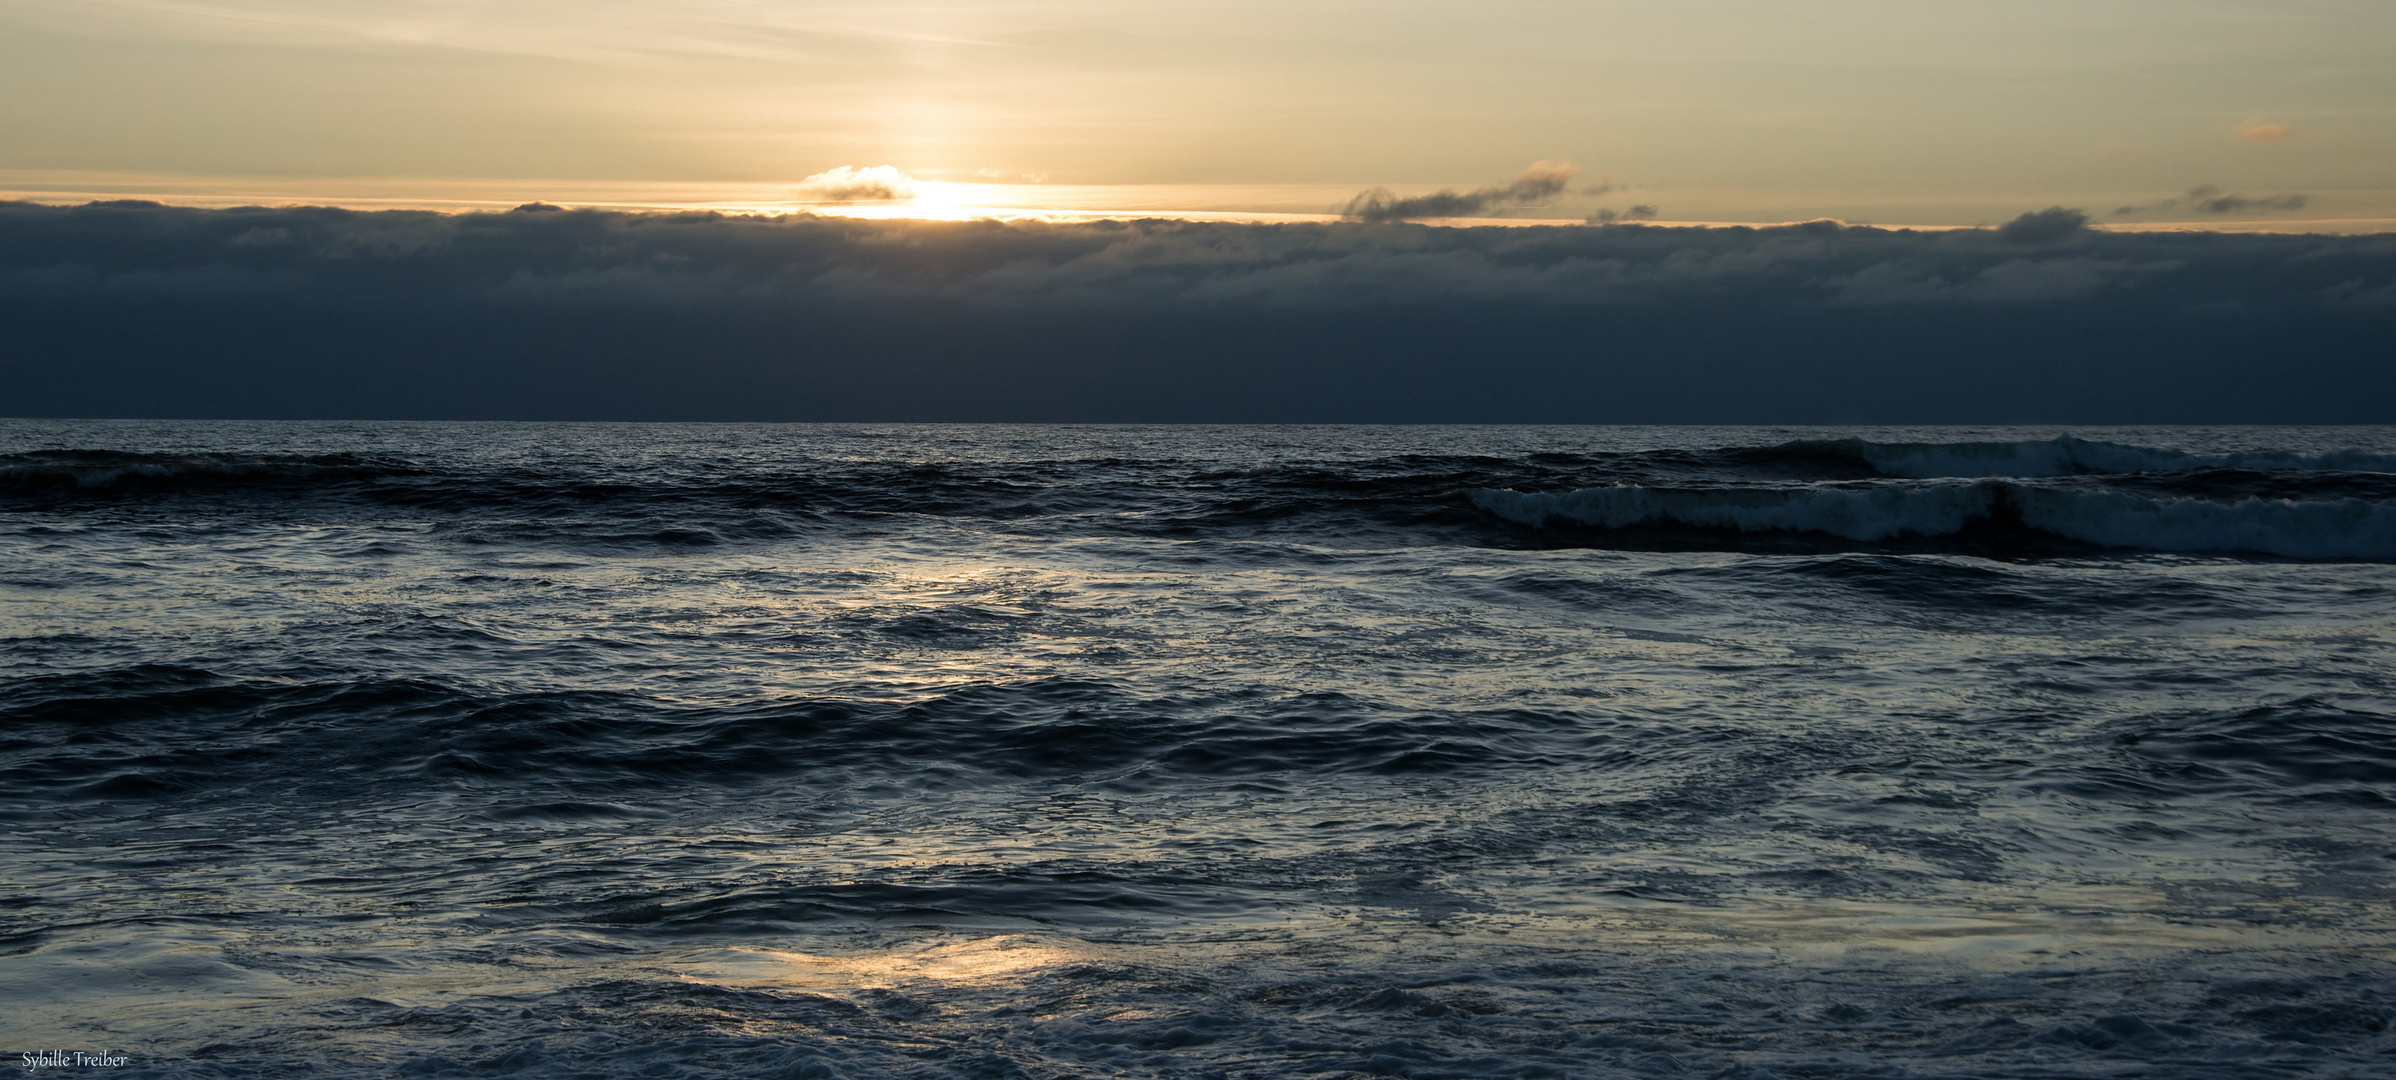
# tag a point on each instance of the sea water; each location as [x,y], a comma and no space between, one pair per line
[755,751]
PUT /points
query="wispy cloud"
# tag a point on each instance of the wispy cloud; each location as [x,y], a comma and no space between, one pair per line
[1637,212]
[993,175]
[586,30]
[2115,148]
[1543,180]
[2257,130]
[2211,199]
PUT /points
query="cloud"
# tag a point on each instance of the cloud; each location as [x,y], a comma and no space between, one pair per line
[2355,294]
[879,183]
[2255,130]
[1543,180]
[2046,226]
[601,31]
[2014,281]
[988,174]
[733,260]
[2211,199]
[2236,204]
[1638,212]
[139,309]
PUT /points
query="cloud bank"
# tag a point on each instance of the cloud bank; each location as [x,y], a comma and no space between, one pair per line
[142,310]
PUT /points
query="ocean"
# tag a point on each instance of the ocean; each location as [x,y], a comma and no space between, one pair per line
[557,750]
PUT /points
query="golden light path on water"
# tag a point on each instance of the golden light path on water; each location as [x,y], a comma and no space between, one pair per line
[180,976]
[1984,934]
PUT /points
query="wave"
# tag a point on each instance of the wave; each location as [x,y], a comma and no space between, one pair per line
[2329,505]
[2313,529]
[175,730]
[2063,456]
[124,471]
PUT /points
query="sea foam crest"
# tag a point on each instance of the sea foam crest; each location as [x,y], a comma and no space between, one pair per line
[2331,529]
[2068,456]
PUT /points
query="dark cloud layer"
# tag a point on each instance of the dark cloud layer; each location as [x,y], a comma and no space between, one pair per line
[142,310]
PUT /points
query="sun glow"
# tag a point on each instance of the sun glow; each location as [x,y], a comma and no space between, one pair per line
[848,183]
[882,191]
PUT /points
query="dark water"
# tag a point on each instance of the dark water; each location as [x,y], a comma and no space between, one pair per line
[556,750]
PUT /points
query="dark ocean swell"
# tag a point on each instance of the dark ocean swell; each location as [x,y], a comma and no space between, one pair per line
[153,730]
[2061,495]
[616,750]
[2345,528]
[2062,456]
[114,471]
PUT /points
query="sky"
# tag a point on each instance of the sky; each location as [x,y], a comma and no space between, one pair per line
[1702,211]
[1921,112]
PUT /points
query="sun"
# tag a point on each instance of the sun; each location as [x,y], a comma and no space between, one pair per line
[936,199]
[882,191]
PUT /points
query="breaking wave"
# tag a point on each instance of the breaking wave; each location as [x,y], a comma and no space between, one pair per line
[2314,529]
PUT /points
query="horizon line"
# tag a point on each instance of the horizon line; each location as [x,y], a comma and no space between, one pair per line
[1287,203]
[961,214]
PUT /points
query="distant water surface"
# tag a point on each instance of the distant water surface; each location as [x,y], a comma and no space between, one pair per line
[745,751]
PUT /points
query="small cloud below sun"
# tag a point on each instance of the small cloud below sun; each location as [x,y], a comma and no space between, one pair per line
[882,191]
[878,183]
[2255,130]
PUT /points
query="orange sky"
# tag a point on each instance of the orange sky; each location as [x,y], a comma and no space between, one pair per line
[1889,111]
